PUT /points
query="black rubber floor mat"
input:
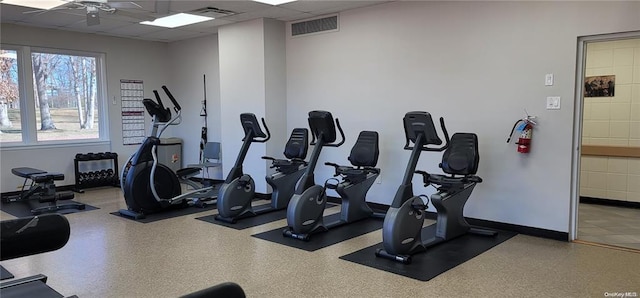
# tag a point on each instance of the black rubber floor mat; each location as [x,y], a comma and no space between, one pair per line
[255,221]
[322,240]
[5,274]
[169,213]
[22,209]
[436,260]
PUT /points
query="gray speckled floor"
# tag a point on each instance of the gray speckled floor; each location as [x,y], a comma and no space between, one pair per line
[109,256]
[609,225]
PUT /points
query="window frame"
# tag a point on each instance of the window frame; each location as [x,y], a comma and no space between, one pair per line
[28,107]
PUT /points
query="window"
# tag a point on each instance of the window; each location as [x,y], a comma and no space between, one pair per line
[50,96]
[10,128]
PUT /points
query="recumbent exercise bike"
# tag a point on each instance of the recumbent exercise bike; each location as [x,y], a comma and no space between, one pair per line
[149,186]
[238,190]
[402,227]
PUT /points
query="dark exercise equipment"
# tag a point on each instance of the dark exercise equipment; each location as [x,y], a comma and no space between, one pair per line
[401,230]
[304,213]
[149,186]
[28,236]
[42,190]
[238,191]
[223,290]
[307,214]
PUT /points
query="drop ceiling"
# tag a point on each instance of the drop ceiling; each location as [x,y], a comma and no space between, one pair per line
[124,26]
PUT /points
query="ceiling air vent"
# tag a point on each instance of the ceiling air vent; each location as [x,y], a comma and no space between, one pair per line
[213,12]
[314,26]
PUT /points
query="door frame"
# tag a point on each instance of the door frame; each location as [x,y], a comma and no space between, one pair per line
[581,61]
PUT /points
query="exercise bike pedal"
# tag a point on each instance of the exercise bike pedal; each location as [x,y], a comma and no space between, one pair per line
[381,253]
[288,233]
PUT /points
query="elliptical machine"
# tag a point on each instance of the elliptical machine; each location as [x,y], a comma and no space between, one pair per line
[402,227]
[235,202]
[306,213]
[149,186]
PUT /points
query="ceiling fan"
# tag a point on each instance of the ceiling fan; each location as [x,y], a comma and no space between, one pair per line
[94,8]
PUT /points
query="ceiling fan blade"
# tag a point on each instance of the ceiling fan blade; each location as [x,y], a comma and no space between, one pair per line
[93,18]
[133,15]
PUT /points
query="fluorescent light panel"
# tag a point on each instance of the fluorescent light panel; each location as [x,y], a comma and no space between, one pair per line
[274,2]
[39,4]
[177,20]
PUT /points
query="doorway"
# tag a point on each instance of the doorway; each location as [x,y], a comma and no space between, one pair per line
[606,171]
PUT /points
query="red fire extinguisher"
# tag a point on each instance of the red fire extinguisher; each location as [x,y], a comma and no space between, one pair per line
[525,127]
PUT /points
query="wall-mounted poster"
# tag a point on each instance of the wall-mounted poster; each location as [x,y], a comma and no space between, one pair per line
[132,93]
[599,86]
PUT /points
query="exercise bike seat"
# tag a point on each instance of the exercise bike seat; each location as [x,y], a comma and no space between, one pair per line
[461,158]
[295,150]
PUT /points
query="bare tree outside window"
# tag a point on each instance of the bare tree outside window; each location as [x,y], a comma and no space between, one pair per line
[66,89]
[10,125]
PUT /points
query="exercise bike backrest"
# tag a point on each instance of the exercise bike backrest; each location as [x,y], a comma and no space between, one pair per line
[297,146]
[462,156]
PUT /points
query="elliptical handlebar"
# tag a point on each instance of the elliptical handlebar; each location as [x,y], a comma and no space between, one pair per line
[176,105]
[155,93]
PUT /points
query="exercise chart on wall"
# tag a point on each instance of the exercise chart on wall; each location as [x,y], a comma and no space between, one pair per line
[131,94]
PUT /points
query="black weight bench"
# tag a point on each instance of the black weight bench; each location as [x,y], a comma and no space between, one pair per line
[42,189]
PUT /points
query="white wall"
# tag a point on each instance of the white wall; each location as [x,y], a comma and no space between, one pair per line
[479,65]
[242,90]
[275,87]
[125,59]
[189,60]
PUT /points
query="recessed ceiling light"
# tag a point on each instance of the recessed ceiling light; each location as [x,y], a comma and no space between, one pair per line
[274,2]
[40,4]
[177,20]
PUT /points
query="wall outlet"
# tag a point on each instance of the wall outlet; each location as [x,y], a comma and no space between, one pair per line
[379,180]
[553,102]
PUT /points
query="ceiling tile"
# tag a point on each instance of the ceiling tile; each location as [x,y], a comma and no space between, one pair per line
[127,26]
[51,18]
[208,26]
[13,12]
[133,30]
[170,35]
[105,25]
[241,6]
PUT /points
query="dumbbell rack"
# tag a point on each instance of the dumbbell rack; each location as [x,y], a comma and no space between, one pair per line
[100,175]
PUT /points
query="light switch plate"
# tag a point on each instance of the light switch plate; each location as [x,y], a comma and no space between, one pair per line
[553,102]
[548,79]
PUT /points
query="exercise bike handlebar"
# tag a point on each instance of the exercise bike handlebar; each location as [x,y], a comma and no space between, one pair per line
[313,137]
[176,105]
[266,128]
